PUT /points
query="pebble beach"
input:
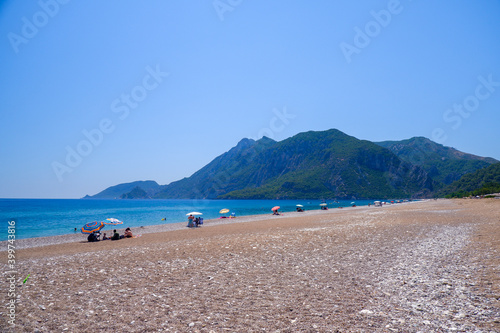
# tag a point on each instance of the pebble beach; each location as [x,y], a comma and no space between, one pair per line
[428,266]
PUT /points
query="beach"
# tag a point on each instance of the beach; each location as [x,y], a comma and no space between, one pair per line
[415,267]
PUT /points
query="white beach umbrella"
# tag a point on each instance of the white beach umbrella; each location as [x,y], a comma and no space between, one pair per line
[113,221]
[194,213]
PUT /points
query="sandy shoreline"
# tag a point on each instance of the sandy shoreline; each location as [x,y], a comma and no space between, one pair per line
[420,267]
[79,237]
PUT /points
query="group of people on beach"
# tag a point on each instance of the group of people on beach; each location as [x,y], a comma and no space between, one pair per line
[96,235]
[194,222]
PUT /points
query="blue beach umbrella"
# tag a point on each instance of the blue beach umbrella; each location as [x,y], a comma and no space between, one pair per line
[92,226]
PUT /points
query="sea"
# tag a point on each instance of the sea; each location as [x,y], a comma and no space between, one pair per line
[29,218]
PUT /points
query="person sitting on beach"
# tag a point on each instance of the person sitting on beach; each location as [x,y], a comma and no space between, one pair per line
[104,237]
[116,236]
[128,233]
[94,237]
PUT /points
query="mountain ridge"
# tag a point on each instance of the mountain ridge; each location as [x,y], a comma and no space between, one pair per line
[444,164]
[328,164]
[115,192]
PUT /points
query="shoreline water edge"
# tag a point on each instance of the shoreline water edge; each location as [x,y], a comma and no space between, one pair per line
[32,242]
[35,218]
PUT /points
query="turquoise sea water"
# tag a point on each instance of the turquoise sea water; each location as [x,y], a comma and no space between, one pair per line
[50,217]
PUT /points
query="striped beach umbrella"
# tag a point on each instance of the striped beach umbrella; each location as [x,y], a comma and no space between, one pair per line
[92,226]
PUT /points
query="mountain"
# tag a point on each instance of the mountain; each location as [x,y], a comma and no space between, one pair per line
[325,164]
[222,175]
[444,164]
[150,187]
[484,181]
[136,193]
[328,164]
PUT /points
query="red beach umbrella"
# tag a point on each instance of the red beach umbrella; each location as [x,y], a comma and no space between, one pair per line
[275,208]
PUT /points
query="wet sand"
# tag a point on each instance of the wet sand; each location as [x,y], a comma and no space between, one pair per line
[423,266]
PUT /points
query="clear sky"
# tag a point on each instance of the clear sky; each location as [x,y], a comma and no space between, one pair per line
[97,93]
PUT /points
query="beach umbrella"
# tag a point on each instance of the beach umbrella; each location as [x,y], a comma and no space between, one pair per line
[275,208]
[322,204]
[194,213]
[224,211]
[92,226]
[113,221]
[300,206]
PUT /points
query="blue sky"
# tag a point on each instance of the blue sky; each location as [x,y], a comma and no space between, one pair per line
[97,93]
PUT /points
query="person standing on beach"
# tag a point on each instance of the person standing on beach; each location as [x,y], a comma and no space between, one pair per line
[190,220]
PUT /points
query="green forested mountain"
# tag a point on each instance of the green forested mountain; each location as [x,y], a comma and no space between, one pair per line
[330,164]
[443,164]
[484,181]
[326,164]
